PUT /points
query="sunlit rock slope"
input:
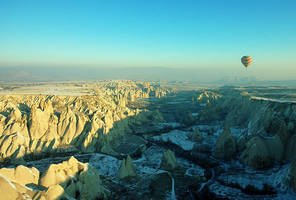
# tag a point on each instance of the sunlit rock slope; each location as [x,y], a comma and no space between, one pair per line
[37,124]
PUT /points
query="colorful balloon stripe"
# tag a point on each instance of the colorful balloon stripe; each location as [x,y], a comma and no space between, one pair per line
[246,60]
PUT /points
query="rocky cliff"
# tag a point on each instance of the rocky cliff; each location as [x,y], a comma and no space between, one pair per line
[67,180]
[269,126]
[40,124]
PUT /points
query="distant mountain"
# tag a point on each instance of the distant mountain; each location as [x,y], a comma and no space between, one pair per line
[16,75]
[25,74]
[235,80]
[207,76]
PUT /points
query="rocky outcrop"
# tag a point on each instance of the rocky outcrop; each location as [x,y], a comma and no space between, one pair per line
[50,140]
[292,175]
[42,124]
[15,122]
[226,146]
[8,189]
[196,136]
[38,122]
[67,126]
[2,123]
[60,173]
[277,126]
[15,116]
[127,169]
[75,178]
[69,179]
[262,153]
[208,97]
[21,174]
[54,192]
[262,118]
[89,185]
[169,161]
[13,182]
[290,153]
[43,128]
[13,146]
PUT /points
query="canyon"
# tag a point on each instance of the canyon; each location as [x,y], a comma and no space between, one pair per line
[122,139]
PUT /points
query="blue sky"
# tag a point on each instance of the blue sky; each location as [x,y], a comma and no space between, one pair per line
[142,33]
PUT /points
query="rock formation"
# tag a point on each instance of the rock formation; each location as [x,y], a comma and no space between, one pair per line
[60,173]
[265,121]
[9,190]
[290,153]
[169,161]
[21,174]
[262,153]
[76,178]
[53,192]
[13,146]
[196,136]
[292,175]
[127,168]
[43,124]
[226,146]
[208,97]
[112,120]
[15,184]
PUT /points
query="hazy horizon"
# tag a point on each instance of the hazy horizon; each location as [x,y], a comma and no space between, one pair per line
[207,38]
[56,74]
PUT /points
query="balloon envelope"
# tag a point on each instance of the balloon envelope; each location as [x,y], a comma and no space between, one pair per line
[246,60]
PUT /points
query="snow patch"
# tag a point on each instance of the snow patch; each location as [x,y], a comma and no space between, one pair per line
[195,171]
[194,114]
[272,100]
[169,125]
[149,170]
[152,156]
[179,138]
[106,165]
[236,131]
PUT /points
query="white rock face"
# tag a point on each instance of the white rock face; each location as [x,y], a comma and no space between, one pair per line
[21,174]
[8,189]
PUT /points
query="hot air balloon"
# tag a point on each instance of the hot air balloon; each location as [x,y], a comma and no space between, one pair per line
[246,60]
